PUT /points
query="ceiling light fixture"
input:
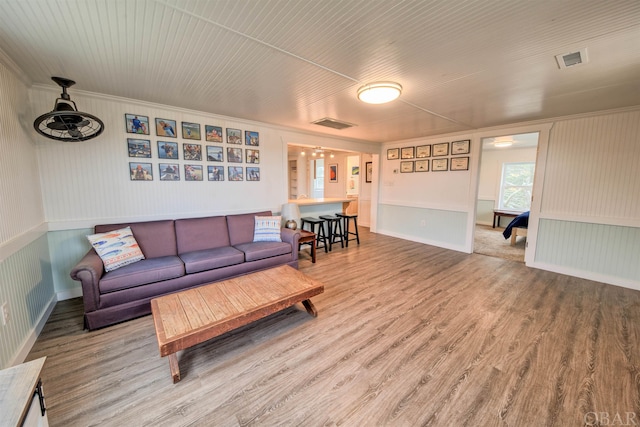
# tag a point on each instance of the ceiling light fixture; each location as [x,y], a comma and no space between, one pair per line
[379,92]
[502,142]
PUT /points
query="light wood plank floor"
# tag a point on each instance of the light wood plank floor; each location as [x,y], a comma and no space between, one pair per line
[407,334]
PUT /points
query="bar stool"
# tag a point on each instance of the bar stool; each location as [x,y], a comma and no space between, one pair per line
[345,218]
[321,237]
[333,225]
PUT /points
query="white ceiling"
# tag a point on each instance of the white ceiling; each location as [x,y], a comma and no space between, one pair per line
[463,64]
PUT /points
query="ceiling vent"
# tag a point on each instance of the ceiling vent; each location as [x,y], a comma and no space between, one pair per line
[333,123]
[572,59]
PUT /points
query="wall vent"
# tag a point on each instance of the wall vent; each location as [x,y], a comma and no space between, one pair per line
[572,59]
[333,123]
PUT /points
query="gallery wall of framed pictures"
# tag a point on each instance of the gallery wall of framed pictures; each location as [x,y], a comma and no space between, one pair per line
[218,161]
[439,157]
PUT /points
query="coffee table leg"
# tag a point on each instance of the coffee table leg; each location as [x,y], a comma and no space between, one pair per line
[311,309]
[175,369]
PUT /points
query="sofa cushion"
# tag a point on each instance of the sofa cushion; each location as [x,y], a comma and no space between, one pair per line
[259,250]
[116,248]
[241,227]
[156,238]
[196,234]
[142,273]
[267,229]
[208,259]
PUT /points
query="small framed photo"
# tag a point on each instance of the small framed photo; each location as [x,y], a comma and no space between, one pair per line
[165,127]
[169,171]
[139,147]
[355,170]
[192,151]
[406,167]
[460,147]
[190,130]
[422,165]
[214,154]
[423,151]
[251,138]
[439,165]
[368,171]
[459,163]
[193,172]
[167,150]
[253,174]
[136,123]
[333,173]
[234,136]
[235,173]
[140,171]
[213,133]
[441,149]
[234,155]
[407,153]
[252,156]
[215,173]
[393,154]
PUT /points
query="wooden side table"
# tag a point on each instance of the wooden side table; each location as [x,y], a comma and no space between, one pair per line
[309,238]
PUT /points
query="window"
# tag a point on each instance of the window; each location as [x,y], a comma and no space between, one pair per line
[516,186]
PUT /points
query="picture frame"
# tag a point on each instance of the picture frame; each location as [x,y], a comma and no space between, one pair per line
[251,138]
[169,171]
[439,165]
[234,136]
[213,133]
[235,173]
[193,173]
[355,170]
[192,152]
[166,128]
[234,155]
[333,173]
[460,163]
[422,165]
[135,123]
[423,151]
[168,150]
[460,147]
[139,148]
[407,152]
[190,130]
[215,153]
[252,156]
[440,150]
[140,171]
[215,173]
[406,167]
[368,171]
[393,154]
[253,174]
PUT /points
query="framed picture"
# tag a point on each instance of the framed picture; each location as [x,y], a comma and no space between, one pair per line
[213,133]
[407,153]
[215,173]
[355,170]
[234,155]
[441,149]
[423,151]
[406,167]
[251,138]
[459,163]
[235,173]
[136,123]
[234,136]
[368,171]
[253,156]
[190,130]
[439,165]
[192,152]
[140,171]
[193,172]
[139,147]
[166,128]
[214,154]
[393,153]
[253,174]
[460,147]
[333,173]
[169,171]
[422,165]
[167,150]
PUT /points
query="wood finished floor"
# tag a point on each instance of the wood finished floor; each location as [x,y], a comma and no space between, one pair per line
[407,334]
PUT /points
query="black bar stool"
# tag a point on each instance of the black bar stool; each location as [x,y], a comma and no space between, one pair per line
[345,218]
[321,237]
[334,226]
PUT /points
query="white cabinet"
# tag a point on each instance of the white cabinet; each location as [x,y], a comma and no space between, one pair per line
[21,395]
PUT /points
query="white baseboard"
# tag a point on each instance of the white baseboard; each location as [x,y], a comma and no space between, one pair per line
[26,347]
[69,294]
[596,277]
[424,241]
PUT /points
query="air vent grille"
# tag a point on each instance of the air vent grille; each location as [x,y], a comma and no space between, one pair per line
[572,59]
[333,123]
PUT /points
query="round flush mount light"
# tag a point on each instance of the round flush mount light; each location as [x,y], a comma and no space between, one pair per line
[379,92]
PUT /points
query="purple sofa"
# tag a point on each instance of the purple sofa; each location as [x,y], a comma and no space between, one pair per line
[179,254]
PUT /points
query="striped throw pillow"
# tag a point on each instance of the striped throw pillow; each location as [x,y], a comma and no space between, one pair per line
[267,229]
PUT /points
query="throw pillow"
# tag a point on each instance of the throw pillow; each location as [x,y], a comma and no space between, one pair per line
[267,229]
[116,248]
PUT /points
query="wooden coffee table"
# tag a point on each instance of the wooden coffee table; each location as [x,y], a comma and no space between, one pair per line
[190,317]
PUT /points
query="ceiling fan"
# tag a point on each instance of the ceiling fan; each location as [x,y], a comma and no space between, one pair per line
[65,122]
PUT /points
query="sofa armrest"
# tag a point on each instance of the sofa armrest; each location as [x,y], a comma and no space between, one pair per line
[88,271]
[291,236]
